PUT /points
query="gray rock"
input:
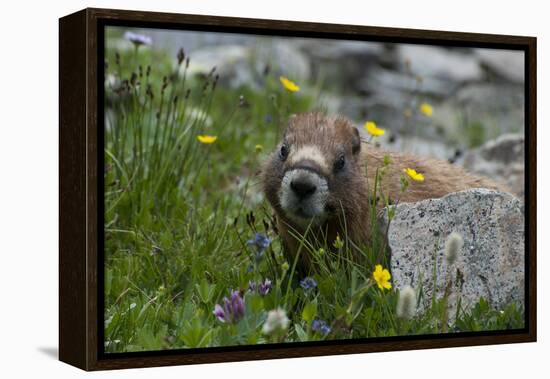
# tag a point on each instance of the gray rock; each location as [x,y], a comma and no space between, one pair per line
[341,64]
[379,81]
[284,58]
[501,159]
[231,63]
[340,50]
[436,62]
[481,111]
[243,65]
[490,264]
[191,41]
[417,146]
[488,96]
[508,64]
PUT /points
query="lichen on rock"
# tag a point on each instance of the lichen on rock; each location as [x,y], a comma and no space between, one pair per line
[490,263]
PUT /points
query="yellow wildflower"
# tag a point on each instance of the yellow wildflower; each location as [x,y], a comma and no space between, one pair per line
[338,243]
[374,130]
[426,109]
[258,148]
[382,277]
[289,84]
[416,176]
[207,139]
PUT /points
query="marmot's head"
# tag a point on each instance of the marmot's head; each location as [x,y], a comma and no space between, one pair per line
[310,176]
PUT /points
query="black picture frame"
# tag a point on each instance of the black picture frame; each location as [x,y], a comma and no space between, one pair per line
[81,189]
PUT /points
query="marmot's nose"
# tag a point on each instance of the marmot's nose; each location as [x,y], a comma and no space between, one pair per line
[303,187]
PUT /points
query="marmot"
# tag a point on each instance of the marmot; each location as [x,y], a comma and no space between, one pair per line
[322,170]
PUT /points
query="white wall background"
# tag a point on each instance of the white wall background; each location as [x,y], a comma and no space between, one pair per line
[29,184]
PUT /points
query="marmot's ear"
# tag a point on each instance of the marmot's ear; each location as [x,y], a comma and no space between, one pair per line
[356,141]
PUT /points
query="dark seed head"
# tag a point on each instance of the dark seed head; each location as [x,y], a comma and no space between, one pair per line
[149,91]
[215,82]
[180,56]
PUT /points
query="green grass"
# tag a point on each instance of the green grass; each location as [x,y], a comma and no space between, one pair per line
[178,215]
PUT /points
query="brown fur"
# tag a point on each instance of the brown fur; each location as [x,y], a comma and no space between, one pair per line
[349,191]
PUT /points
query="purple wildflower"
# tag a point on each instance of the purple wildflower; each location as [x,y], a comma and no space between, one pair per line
[138,39]
[320,326]
[308,283]
[262,288]
[260,242]
[265,287]
[219,312]
[232,310]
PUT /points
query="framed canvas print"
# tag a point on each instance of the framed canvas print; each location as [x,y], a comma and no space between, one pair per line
[238,189]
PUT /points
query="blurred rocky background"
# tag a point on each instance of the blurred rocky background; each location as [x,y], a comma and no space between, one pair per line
[475,96]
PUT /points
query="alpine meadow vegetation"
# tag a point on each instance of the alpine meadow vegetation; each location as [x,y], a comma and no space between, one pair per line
[192,256]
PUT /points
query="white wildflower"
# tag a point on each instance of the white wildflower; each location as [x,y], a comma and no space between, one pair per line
[453,245]
[406,304]
[277,321]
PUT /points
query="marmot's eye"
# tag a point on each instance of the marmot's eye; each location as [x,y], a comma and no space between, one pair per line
[340,163]
[283,153]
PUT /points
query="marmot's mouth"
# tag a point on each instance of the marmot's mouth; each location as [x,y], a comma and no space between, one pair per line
[329,208]
[304,216]
[300,212]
